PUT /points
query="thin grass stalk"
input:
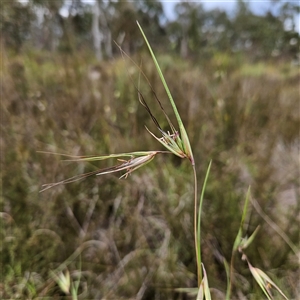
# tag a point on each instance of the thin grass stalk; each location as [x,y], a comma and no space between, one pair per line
[197,222]
[197,244]
[182,148]
[176,143]
[227,270]
[237,242]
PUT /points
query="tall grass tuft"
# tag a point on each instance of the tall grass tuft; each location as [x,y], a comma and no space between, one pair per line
[177,142]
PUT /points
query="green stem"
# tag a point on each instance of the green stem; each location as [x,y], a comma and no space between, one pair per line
[229,287]
[196,228]
[197,224]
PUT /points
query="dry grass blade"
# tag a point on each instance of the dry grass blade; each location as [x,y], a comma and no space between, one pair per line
[130,165]
[101,157]
[204,292]
[136,161]
[275,227]
[63,280]
[75,178]
[145,105]
[152,91]
[263,280]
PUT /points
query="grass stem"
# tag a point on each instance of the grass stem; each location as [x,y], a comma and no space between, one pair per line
[197,235]
[197,222]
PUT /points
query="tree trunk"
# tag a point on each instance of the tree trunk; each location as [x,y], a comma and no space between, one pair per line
[184,46]
[96,33]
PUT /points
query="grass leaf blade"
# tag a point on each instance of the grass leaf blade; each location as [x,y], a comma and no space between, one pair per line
[198,240]
[184,136]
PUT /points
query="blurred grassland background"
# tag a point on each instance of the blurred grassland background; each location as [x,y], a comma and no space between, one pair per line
[133,238]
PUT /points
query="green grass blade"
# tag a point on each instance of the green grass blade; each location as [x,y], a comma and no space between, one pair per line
[184,136]
[240,232]
[245,243]
[237,243]
[199,216]
[161,77]
[227,270]
[245,207]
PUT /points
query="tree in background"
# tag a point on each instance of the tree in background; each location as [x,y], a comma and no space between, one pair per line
[186,30]
[290,42]
[76,26]
[217,30]
[69,25]
[123,22]
[259,36]
[15,23]
[151,17]
[50,25]
[101,28]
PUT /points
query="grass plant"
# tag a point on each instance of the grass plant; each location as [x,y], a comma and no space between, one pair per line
[177,143]
[135,236]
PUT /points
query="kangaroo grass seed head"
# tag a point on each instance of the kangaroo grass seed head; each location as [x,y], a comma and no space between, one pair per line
[136,160]
[170,141]
[131,165]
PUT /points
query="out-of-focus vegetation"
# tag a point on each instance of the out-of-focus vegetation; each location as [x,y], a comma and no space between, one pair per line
[236,84]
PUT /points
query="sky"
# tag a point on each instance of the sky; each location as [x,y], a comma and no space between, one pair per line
[259,7]
[256,5]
